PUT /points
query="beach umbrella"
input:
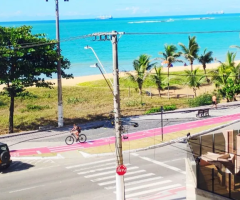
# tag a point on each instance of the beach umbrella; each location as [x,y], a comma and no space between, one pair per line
[164,62]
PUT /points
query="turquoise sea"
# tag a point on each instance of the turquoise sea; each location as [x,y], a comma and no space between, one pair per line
[131,46]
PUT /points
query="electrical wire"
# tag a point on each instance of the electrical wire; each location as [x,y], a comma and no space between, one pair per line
[28,45]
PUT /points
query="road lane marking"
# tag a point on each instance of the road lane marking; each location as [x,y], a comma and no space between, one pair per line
[174,160]
[59,156]
[161,164]
[20,190]
[126,179]
[109,177]
[152,190]
[135,182]
[39,152]
[92,163]
[66,149]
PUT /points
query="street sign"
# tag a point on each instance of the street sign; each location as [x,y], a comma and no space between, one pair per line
[121,170]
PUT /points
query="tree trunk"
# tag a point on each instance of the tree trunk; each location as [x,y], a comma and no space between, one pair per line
[11,111]
[204,68]
[195,92]
[140,88]
[140,91]
[191,66]
[159,92]
[168,81]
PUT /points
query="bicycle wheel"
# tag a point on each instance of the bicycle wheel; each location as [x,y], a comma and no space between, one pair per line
[69,140]
[82,138]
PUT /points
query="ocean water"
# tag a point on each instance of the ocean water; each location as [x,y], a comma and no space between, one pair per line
[131,46]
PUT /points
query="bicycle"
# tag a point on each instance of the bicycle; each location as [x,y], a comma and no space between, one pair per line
[71,138]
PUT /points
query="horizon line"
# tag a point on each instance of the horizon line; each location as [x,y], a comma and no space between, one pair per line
[121,17]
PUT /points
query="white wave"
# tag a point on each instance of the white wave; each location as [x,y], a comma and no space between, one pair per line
[201,18]
[140,22]
[157,21]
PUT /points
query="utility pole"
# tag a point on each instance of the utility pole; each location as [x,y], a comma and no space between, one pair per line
[113,37]
[59,74]
[119,179]
[162,121]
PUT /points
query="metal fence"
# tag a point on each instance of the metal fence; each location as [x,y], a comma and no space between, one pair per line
[217,166]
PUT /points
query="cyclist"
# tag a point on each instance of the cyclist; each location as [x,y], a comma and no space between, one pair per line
[76,130]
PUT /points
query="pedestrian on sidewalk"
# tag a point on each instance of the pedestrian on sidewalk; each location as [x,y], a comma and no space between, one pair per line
[214,101]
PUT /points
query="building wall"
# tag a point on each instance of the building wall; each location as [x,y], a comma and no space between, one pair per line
[192,192]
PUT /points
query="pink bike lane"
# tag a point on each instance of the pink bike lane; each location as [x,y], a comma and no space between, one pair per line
[131,136]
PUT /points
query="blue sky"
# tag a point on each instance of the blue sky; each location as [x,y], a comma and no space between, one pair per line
[26,10]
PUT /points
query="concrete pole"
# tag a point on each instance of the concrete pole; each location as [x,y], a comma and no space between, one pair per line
[162,121]
[59,80]
[119,179]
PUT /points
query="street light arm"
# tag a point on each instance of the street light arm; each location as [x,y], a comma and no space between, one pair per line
[105,79]
[99,62]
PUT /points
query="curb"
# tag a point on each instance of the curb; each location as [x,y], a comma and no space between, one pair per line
[85,127]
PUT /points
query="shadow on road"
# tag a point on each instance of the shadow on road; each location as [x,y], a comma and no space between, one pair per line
[16,166]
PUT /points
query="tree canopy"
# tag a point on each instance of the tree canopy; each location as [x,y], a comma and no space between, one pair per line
[190,52]
[142,65]
[25,58]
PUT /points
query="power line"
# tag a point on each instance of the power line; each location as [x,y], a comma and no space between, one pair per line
[26,45]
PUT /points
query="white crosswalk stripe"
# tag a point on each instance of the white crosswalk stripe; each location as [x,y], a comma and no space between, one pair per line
[101,169]
[109,177]
[126,179]
[135,182]
[152,190]
[92,163]
[138,182]
[147,185]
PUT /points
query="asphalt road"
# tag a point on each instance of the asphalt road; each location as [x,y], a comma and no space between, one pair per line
[92,134]
[156,173]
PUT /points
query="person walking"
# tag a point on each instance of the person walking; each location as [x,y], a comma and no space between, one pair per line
[214,101]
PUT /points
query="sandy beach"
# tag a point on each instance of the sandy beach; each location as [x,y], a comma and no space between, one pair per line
[81,79]
[185,90]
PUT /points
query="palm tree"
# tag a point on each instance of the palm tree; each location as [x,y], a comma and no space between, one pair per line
[205,58]
[170,55]
[194,80]
[142,65]
[191,52]
[235,69]
[225,71]
[158,79]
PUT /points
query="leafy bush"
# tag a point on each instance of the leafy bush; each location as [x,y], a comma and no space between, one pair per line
[165,108]
[169,107]
[35,108]
[153,110]
[2,104]
[27,95]
[74,100]
[201,100]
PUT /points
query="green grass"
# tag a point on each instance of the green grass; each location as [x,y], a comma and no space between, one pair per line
[176,80]
[80,104]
